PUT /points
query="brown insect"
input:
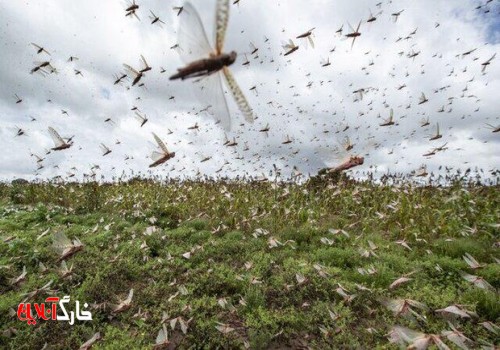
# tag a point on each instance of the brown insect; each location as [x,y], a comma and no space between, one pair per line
[40,49]
[193,44]
[308,36]
[59,142]
[290,47]
[390,121]
[352,162]
[354,33]
[163,156]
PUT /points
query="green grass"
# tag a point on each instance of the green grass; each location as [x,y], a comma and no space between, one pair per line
[227,228]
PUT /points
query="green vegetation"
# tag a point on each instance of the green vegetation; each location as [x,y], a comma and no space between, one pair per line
[251,264]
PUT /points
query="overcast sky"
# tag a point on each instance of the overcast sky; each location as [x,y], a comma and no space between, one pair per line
[299,98]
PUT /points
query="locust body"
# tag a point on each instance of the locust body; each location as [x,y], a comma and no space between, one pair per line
[205,66]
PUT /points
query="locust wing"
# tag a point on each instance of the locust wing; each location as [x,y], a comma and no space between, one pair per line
[209,89]
[350,27]
[130,296]
[191,36]
[139,117]
[347,144]
[131,70]
[162,337]
[417,339]
[160,143]
[144,62]
[288,45]
[61,242]
[310,41]
[58,141]
[221,20]
[156,156]
[104,148]
[238,95]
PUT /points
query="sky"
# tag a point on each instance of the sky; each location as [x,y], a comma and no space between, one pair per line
[300,99]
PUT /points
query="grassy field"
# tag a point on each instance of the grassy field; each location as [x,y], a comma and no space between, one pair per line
[256,265]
